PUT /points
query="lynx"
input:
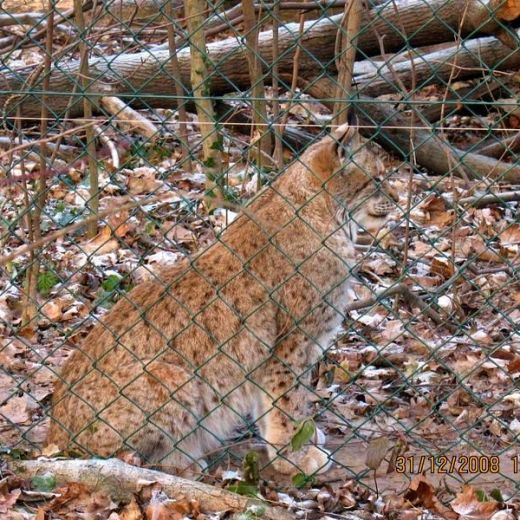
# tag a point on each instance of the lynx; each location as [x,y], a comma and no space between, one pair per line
[233,333]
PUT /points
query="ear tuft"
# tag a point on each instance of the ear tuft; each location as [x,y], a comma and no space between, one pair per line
[341,132]
[345,132]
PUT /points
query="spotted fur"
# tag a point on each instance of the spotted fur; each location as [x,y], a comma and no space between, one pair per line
[232,333]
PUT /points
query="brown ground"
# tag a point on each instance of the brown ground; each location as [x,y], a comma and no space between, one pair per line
[23,6]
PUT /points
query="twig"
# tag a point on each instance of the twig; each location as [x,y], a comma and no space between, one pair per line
[480,201]
[29,304]
[278,143]
[39,142]
[7,20]
[30,38]
[128,118]
[179,91]
[112,148]
[294,77]
[260,137]
[62,150]
[200,79]
[498,148]
[410,297]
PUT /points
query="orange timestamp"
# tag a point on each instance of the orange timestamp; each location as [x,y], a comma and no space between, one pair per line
[452,464]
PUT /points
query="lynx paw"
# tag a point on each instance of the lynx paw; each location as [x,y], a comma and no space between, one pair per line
[315,460]
[312,460]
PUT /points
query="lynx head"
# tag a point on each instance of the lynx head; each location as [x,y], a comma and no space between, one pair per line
[350,171]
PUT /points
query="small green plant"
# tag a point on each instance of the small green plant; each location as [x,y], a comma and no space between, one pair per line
[249,485]
[111,286]
[111,282]
[46,281]
[300,480]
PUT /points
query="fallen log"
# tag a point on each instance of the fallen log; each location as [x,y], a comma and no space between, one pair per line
[395,133]
[146,79]
[476,57]
[120,481]
[497,148]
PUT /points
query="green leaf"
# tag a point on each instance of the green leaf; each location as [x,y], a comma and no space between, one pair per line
[481,495]
[496,494]
[250,468]
[111,282]
[245,489]
[303,435]
[258,510]
[245,516]
[46,281]
[45,482]
[218,144]
[253,512]
[209,162]
[301,480]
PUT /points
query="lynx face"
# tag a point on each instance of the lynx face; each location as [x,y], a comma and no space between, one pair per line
[376,203]
[355,178]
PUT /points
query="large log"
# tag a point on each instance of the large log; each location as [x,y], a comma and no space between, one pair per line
[455,62]
[405,137]
[148,77]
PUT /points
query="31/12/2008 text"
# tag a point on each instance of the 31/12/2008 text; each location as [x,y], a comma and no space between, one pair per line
[453,464]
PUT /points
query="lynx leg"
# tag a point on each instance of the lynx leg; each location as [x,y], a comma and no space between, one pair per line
[284,409]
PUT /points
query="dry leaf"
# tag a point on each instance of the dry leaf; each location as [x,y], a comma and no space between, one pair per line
[422,493]
[510,236]
[53,309]
[161,507]
[119,222]
[80,501]
[376,452]
[474,245]
[467,505]
[16,411]
[178,233]
[131,511]
[443,267]
[50,450]
[142,180]
[101,244]
[8,499]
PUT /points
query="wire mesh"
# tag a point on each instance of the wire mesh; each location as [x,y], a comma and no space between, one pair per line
[195,333]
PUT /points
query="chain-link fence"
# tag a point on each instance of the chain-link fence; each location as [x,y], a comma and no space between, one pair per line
[195,277]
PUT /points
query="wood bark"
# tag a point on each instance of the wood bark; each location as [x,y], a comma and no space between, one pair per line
[348,36]
[477,56]
[146,76]
[211,141]
[120,481]
[392,130]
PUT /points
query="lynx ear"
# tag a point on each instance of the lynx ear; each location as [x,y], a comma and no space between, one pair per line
[342,136]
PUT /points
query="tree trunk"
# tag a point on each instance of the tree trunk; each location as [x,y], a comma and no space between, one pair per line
[150,75]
